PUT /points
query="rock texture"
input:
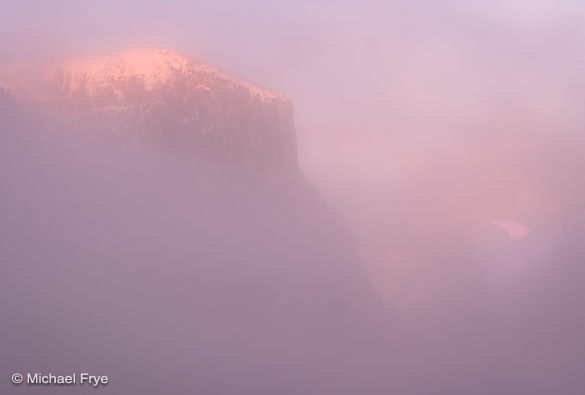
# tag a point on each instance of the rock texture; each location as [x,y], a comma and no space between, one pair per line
[177,100]
[123,259]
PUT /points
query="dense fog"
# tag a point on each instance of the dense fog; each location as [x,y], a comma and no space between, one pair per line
[431,240]
[173,273]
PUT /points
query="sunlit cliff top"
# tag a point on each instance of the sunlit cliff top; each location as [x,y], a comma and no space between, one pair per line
[154,66]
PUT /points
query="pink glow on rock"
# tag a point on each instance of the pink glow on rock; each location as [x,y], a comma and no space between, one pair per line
[154,66]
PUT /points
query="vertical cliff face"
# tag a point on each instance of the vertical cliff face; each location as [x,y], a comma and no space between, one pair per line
[221,279]
[177,100]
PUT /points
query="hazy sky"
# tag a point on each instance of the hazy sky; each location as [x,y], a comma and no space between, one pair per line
[373,58]
[448,133]
[478,99]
